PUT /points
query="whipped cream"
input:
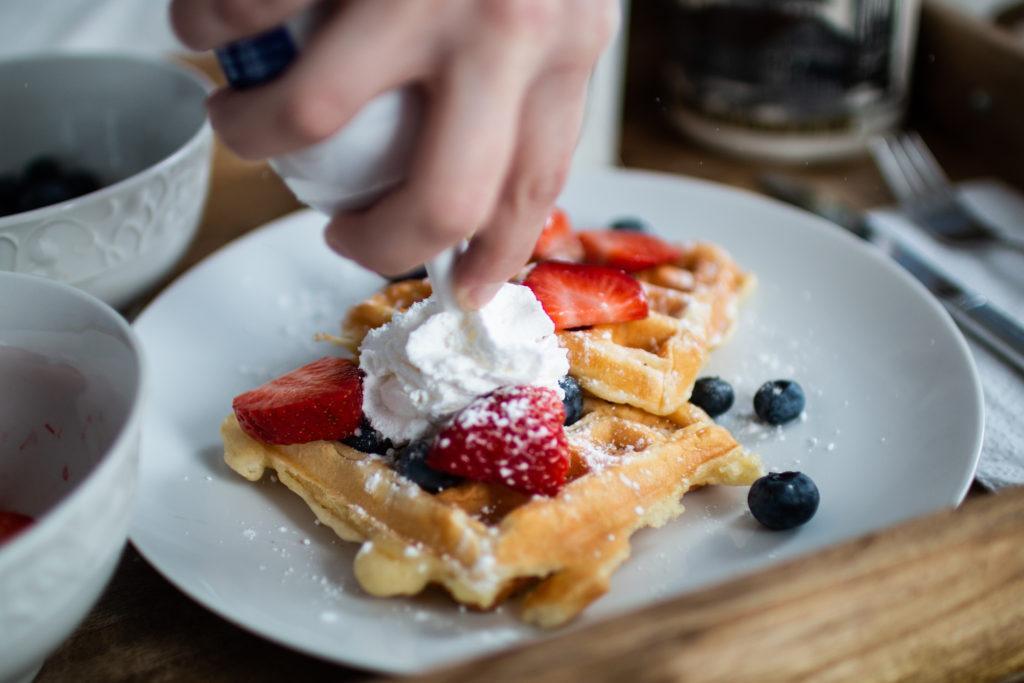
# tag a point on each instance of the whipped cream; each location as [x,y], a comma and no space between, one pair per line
[428,362]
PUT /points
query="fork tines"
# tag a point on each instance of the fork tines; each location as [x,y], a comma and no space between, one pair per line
[909,167]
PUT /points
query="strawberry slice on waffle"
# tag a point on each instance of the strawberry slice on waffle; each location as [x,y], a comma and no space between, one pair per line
[626,249]
[557,240]
[580,294]
[320,400]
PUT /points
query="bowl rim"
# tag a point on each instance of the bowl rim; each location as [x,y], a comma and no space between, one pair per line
[14,547]
[198,139]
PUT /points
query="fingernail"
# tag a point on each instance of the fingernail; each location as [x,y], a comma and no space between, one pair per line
[474,298]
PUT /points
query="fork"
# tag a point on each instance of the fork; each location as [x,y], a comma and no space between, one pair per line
[927,196]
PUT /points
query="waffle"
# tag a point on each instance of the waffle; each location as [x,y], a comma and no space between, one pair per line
[483,542]
[650,363]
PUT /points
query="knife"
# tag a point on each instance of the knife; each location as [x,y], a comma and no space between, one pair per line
[972,311]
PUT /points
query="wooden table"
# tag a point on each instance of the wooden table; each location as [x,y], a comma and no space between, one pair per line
[940,598]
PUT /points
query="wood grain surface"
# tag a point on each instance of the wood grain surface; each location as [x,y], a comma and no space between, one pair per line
[936,599]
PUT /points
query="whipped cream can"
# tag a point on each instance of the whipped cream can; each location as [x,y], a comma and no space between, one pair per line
[362,161]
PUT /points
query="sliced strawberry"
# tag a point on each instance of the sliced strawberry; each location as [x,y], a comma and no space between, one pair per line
[512,436]
[12,523]
[321,400]
[579,294]
[557,240]
[626,249]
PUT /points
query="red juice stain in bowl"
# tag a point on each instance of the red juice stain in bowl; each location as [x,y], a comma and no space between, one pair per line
[12,523]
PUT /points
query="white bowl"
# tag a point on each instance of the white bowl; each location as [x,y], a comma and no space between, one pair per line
[141,125]
[70,410]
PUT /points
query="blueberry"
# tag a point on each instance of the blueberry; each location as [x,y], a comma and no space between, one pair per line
[368,440]
[40,169]
[80,181]
[573,399]
[779,401]
[413,464]
[631,223]
[417,273]
[8,194]
[40,193]
[44,181]
[713,394]
[783,500]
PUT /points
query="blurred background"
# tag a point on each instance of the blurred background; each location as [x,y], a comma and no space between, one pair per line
[630,86]
[37,25]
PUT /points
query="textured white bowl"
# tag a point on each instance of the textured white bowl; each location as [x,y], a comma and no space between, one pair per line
[141,125]
[71,391]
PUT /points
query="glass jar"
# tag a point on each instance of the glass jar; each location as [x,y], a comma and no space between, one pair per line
[789,80]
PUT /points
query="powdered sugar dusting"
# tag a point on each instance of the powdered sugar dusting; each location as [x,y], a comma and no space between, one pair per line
[374,481]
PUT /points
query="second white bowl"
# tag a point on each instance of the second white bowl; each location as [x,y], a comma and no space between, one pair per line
[71,400]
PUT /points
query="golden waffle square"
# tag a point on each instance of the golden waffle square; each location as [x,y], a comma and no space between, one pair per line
[483,542]
[652,363]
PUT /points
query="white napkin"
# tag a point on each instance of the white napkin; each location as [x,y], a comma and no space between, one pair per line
[998,274]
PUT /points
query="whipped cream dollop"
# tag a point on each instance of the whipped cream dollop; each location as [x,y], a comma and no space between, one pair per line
[428,363]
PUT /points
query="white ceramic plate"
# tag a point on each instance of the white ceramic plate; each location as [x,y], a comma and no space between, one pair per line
[892,428]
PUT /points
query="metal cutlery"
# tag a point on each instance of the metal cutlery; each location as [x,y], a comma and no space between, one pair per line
[926,195]
[972,311]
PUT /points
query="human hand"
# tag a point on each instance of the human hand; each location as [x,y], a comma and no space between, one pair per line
[506,87]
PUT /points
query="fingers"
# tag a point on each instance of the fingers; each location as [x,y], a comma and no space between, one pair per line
[505,81]
[207,24]
[468,142]
[464,152]
[339,72]
[550,125]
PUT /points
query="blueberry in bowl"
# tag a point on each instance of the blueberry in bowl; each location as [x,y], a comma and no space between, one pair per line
[105,169]
[44,181]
